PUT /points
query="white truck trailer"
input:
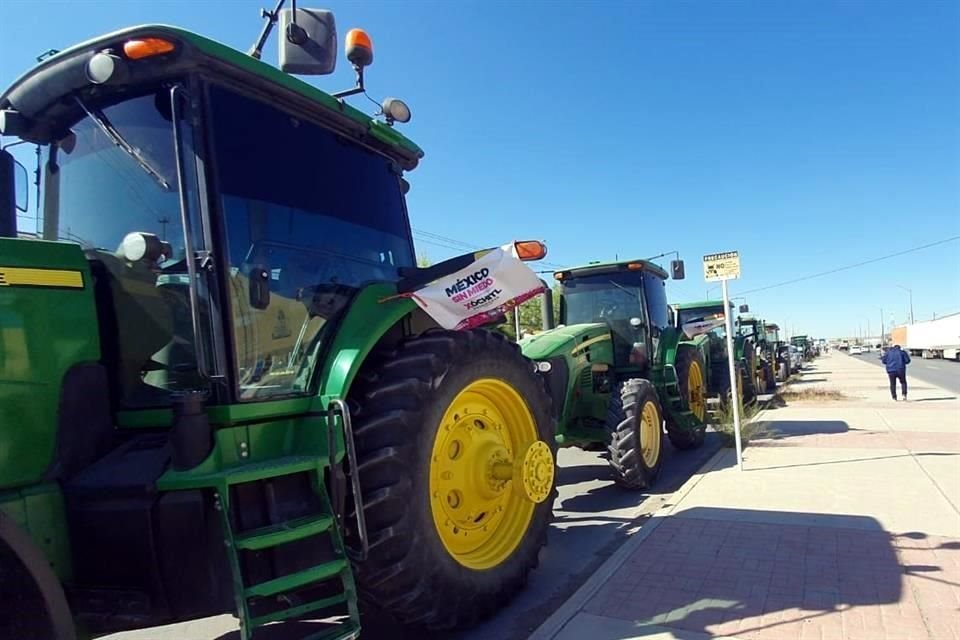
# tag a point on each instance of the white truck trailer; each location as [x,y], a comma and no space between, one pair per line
[938,338]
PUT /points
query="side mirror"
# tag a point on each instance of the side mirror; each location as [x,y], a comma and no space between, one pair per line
[259,288]
[8,196]
[530,250]
[21,187]
[308,41]
[676,269]
[744,308]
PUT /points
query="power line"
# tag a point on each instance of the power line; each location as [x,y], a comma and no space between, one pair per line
[850,266]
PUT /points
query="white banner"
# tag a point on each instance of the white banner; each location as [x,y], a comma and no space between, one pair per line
[699,327]
[480,293]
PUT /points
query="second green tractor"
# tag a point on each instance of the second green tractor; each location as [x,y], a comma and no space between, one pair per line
[618,370]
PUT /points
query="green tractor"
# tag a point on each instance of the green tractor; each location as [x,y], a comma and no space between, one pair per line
[707,316]
[753,330]
[780,350]
[616,369]
[216,393]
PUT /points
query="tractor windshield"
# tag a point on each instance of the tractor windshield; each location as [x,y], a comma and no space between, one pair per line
[114,175]
[611,298]
[317,216]
[708,315]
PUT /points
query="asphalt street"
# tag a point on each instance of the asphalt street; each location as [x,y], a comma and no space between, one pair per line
[592,517]
[941,373]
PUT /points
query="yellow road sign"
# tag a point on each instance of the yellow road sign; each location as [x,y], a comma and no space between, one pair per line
[721,266]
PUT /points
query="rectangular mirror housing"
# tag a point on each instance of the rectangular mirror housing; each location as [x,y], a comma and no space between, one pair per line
[676,270]
[308,47]
[259,287]
[744,308]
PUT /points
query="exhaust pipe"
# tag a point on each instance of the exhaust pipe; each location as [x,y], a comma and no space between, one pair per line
[546,307]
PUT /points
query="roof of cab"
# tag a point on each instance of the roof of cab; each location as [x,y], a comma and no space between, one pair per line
[42,89]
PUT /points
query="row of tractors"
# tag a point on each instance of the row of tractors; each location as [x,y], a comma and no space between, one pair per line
[217,391]
[621,362]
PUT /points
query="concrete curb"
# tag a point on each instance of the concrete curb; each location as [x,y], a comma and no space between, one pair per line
[572,606]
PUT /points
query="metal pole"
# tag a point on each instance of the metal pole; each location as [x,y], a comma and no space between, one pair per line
[734,382]
[911,306]
[883,330]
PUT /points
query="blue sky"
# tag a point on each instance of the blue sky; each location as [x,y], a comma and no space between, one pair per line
[806,135]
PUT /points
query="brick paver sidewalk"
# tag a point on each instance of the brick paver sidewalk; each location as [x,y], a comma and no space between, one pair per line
[844,525]
[769,581]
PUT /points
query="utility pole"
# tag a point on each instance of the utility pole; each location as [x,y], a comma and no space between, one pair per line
[883,340]
[910,291]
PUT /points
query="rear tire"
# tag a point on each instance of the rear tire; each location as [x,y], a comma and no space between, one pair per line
[771,380]
[401,406]
[748,375]
[694,400]
[634,420]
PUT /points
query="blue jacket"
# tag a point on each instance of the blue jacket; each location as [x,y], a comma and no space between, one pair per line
[896,360]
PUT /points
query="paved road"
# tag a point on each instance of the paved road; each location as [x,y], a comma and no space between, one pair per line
[592,518]
[942,373]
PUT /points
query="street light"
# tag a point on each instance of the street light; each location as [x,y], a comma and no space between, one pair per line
[910,291]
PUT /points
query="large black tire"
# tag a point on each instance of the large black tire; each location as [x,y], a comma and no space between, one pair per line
[681,437]
[32,602]
[748,377]
[770,378]
[398,404]
[625,415]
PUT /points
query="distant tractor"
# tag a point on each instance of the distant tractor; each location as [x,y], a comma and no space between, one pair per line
[710,313]
[781,351]
[753,329]
[617,370]
[215,393]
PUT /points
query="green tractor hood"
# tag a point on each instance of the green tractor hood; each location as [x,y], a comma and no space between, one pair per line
[568,339]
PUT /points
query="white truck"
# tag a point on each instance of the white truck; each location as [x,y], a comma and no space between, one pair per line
[938,338]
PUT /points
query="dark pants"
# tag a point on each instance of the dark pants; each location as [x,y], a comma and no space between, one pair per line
[902,377]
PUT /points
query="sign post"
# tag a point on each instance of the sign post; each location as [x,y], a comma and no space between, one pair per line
[723,267]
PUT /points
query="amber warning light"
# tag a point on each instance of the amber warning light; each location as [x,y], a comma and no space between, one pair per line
[146,48]
[359,48]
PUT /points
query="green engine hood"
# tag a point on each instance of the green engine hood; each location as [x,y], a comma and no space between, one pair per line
[561,340]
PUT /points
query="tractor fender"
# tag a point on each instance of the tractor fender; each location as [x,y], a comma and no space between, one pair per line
[375,312]
[15,542]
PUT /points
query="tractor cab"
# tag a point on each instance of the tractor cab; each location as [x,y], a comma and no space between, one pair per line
[226,233]
[628,297]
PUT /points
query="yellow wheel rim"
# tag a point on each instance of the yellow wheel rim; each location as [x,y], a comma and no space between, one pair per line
[650,434]
[696,391]
[488,471]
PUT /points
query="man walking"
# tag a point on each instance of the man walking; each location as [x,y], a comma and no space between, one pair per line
[897,360]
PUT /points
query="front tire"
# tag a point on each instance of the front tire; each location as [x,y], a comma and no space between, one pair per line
[456,453]
[634,420]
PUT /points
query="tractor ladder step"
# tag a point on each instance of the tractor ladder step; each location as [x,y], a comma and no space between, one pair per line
[296,580]
[300,610]
[282,533]
[295,593]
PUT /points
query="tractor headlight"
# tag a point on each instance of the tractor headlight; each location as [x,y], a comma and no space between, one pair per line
[544,367]
[100,67]
[396,110]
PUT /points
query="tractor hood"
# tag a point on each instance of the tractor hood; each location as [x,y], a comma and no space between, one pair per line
[564,339]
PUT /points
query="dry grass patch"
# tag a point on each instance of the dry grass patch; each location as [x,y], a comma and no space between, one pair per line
[820,394]
[749,430]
